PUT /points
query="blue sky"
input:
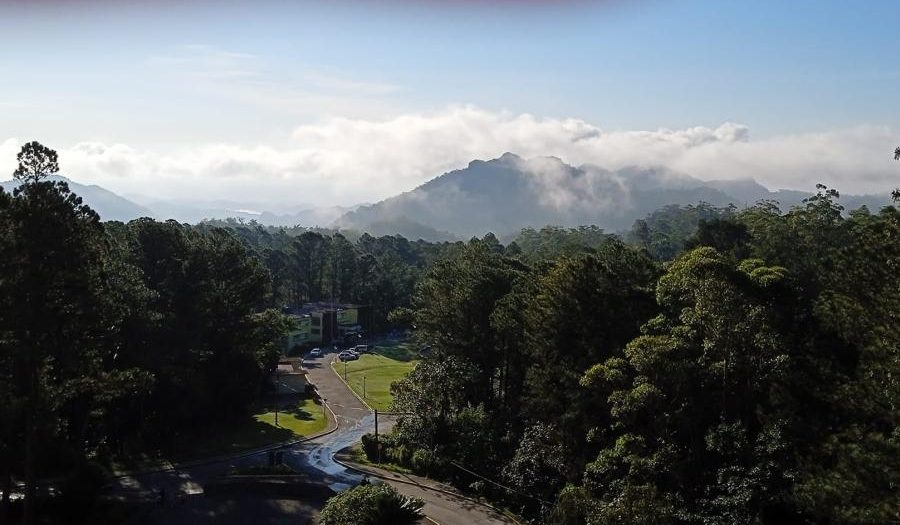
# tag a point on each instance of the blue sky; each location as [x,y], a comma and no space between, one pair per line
[160,78]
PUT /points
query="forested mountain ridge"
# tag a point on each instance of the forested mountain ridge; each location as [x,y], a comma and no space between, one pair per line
[503,196]
[509,193]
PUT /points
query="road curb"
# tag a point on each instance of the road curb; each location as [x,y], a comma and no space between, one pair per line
[350,466]
[219,459]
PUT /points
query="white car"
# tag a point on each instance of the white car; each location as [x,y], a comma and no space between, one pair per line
[315,352]
[347,355]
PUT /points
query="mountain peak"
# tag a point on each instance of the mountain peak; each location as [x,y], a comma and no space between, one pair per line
[507,158]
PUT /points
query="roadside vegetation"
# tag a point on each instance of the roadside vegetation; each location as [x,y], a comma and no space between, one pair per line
[372,505]
[357,454]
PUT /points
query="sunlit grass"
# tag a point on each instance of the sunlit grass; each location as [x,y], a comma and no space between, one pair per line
[371,375]
[296,419]
[303,419]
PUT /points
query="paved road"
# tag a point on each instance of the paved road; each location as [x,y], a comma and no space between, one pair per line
[314,459]
[443,503]
[440,507]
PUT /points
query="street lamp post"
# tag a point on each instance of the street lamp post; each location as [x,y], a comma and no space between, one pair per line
[364,387]
[277,386]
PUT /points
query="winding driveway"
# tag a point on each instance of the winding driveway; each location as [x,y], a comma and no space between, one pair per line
[313,459]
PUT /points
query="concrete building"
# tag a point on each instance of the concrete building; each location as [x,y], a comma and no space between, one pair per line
[323,323]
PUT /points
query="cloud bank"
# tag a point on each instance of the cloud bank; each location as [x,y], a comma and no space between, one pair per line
[346,161]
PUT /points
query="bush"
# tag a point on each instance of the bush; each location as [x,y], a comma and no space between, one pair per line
[426,462]
[370,447]
[371,505]
[398,454]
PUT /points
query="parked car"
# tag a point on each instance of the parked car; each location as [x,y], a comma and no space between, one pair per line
[315,352]
[347,355]
[363,349]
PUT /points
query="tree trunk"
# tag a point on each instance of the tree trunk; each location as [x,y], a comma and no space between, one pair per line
[30,438]
[30,490]
[4,503]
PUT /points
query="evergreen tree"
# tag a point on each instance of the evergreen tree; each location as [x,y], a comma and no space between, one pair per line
[57,320]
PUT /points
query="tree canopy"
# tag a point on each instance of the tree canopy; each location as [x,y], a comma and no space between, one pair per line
[750,377]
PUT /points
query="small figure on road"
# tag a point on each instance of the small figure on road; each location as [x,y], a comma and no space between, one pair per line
[365,481]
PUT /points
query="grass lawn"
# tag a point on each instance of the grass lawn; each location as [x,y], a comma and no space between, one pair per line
[303,418]
[391,362]
[297,418]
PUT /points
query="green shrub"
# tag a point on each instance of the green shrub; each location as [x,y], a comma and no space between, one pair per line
[426,462]
[370,447]
[371,505]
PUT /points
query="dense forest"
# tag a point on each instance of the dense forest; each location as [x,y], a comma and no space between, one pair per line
[309,265]
[752,378]
[712,365]
[121,339]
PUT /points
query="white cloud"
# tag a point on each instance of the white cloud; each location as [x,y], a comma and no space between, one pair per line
[343,161]
[594,189]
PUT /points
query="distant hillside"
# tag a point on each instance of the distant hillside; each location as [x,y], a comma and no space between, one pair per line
[747,192]
[502,196]
[110,206]
[509,193]
[196,210]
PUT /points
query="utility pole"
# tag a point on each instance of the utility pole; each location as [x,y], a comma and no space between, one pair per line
[277,386]
[377,444]
[364,387]
[345,370]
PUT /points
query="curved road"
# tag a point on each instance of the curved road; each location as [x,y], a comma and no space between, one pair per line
[314,459]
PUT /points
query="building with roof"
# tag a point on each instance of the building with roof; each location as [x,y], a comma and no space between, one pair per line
[323,323]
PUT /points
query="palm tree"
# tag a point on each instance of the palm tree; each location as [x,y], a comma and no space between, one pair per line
[393,508]
[371,505]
